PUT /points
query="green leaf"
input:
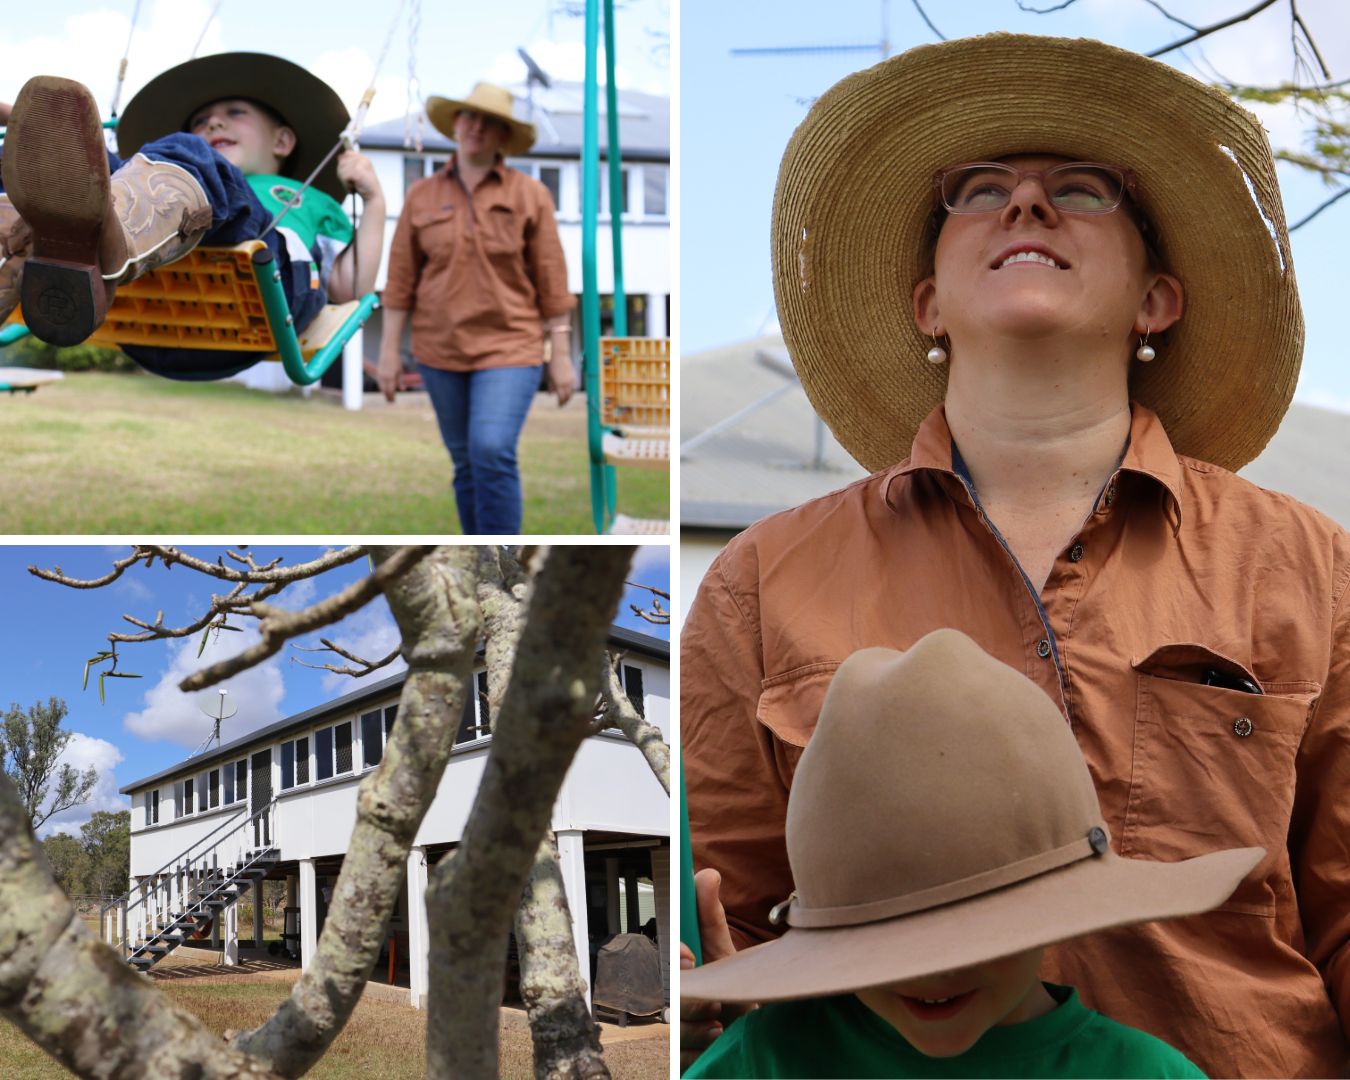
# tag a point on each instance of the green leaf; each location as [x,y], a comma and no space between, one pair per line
[202,647]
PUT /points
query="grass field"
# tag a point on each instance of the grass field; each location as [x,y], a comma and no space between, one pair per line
[100,454]
[384,1040]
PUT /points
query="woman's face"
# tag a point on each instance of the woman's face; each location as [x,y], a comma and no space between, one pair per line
[1099,286]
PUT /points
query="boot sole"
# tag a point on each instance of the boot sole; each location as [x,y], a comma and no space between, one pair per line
[55,171]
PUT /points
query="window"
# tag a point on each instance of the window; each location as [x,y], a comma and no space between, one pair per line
[551,177]
[342,746]
[654,179]
[372,744]
[323,754]
[475,724]
[214,782]
[414,168]
[229,784]
[178,798]
[152,808]
[187,795]
[632,686]
[390,715]
[241,779]
[604,189]
[287,765]
[302,760]
[203,801]
[636,307]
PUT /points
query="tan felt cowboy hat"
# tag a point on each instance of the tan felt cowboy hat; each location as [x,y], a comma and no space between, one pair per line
[942,816]
[852,228]
[490,100]
[309,105]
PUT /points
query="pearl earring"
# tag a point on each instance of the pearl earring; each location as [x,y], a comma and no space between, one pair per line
[1145,352]
[937,354]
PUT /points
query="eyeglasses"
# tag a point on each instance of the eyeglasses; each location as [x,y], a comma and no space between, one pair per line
[1079,187]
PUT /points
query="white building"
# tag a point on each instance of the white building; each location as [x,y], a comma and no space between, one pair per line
[280,803]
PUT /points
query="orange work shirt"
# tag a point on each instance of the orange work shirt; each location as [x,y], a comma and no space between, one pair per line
[479,273]
[1181,568]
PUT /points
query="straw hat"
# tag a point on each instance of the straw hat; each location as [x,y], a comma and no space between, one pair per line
[942,816]
[490,100]
[309,105]
[855,193]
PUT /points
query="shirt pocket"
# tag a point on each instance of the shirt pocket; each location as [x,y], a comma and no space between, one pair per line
[503,233]
[789,706]
[437,231]
[1214,767]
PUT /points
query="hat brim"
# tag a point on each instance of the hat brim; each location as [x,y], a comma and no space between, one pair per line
[310,106]
[851,219]
[442,112]
[1089,895]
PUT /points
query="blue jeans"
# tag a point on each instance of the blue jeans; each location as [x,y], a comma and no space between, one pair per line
[237,215]
[480,414]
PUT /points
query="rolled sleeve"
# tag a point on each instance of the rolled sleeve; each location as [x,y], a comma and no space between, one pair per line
[547,266]
[405,260]
[736,794]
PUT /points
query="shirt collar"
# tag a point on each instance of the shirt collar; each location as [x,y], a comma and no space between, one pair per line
[1148,452]
[452,166]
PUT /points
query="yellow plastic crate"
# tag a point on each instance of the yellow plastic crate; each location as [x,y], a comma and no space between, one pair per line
[635,383]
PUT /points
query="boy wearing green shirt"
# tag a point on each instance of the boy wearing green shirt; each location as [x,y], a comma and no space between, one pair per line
[943,829]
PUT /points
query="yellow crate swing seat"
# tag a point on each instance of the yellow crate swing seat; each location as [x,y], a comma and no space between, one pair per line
[632,424]
[224,298]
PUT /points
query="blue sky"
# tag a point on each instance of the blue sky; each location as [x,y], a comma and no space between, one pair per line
[737,113]
[147,724]
[339,40]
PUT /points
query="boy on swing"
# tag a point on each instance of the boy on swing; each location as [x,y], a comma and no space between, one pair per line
[211,152]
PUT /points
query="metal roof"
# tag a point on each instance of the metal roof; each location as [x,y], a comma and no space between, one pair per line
[644,125]
[630,640]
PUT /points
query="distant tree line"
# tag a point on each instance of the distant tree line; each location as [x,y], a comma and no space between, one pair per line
[98,863]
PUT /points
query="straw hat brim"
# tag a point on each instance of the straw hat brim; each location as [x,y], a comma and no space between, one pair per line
[855,193]
[1092,894]
[310,106]
[442,112]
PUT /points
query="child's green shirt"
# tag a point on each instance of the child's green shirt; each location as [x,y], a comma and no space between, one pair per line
[840,1036]
[316,230]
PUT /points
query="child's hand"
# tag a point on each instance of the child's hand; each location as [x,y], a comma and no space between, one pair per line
[356,171]
[701,1021]
[5,108]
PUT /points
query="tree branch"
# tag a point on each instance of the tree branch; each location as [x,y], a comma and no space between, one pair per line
[361,667]
[620,713]
[1205,31]
[545,714]
[434,606]
[278,625]
[1329,202]
[924,16]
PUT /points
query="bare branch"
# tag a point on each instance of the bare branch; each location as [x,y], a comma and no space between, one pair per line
[361,667]
[1205,31]
[619,712]
[1168,15]
[1329,202]
[1044,11]
[119,567]
[1297,24]
[924,16]
[279,625]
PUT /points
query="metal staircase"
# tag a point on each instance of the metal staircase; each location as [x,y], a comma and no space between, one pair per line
[185,896]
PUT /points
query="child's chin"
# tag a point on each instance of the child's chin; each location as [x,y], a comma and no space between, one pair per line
[944,1048]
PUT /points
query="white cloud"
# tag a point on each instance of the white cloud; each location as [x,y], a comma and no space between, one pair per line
[178,717]
[370,633]
[82,752]
[649,561]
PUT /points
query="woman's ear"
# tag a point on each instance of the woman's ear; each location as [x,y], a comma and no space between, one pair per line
[927,314]
[1161,306]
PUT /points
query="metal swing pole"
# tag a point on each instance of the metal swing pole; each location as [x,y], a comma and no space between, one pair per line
[602,475]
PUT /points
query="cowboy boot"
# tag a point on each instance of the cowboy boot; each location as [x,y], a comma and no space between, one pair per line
[90,231]
[15,238]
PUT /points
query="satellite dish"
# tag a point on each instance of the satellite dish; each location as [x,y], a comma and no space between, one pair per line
[536,73]
[218,708]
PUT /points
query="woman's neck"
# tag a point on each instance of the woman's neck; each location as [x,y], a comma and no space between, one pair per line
[1036,429]
[472,170]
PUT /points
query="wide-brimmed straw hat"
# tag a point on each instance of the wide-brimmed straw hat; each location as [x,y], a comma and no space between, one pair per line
[942,816]
[310,107]
[852,231]
[490,100]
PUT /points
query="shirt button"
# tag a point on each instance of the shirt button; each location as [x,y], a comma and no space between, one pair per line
[1110,494]
[1242,727]
[1043,648]
[1075,552]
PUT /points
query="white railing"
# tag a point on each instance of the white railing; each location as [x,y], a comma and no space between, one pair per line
[190,878]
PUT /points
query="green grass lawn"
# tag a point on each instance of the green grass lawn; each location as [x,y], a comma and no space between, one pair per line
[101,454]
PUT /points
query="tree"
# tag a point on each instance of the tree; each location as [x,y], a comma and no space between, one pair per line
[543,616]
[70,865]
[106,841]
[31,741]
